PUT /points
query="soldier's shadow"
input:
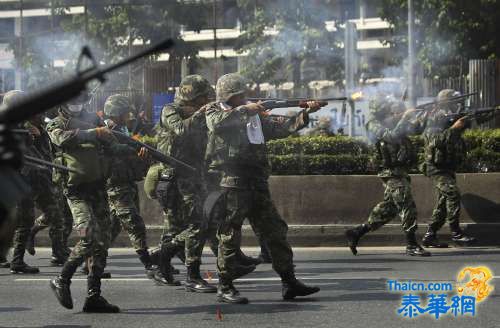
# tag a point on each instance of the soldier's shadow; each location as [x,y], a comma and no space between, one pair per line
[255,307]
[480,209]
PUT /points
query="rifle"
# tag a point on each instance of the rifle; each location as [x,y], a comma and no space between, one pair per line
[430,105]
[40,101]
[136,145]
[300,99]
[283,103]
[155,154]
[69,88]
[34,161]
[485,114]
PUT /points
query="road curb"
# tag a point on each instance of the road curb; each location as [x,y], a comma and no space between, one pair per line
[326,235]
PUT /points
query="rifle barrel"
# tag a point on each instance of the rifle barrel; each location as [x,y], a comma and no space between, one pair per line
[38,161]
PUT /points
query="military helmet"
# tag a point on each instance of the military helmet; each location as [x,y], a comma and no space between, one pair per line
[117,105]
[324,122]
[193,86]
[397,106]
[446,94]
[380,106]
[12,96]
[230,85]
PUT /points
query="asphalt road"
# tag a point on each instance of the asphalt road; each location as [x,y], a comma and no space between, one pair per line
[354,293]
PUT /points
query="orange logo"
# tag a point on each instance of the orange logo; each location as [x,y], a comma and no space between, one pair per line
[477,285]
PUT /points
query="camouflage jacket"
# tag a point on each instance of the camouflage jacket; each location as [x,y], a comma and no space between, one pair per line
[183,137]
[444,147]
[394,153]
[229,149]
[78,147]
[126,167]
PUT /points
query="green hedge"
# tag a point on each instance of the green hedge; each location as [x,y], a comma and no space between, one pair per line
[345,155]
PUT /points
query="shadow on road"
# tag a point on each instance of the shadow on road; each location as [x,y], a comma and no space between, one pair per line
[255,307]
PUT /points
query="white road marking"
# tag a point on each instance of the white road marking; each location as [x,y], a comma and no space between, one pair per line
[216,280]
[209,280]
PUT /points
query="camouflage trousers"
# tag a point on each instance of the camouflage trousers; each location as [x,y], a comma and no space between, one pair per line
[398,200]
[67,219]
[43,196]
[448,201]
[89,207]
[124,209]
[256,206]
[181,200]
[7,230]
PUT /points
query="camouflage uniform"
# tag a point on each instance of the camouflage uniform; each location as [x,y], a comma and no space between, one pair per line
[394,156]
[181,193]
[82,146]
[12,186]
[42,221]
[245,171]
[121,187]
[444,150]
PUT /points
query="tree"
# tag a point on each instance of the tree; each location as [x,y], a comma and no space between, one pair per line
[281,35]
[108,28]
[450,32]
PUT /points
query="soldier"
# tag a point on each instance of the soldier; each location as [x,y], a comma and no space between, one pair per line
[42,223]
[82,149]
[323,128]
[180,192]
[395,156]
[121,187]
[444,152]
[41,195]
[10,157]
[237,135]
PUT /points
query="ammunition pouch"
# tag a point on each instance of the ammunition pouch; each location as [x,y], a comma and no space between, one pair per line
[88,163]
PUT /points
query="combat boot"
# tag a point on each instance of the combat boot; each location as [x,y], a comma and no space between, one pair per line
[23,268]
[458,236]
[247,260]
[354,235]
[227,293]
[413,248]
[30,243]
[163,275]
[194,281]
[292,287]
[59,255]
[4,264]
[431,240]
[95,303]
[60,287]
[17,264]
[155,259]
[146,261]
[462,239]
[57,260]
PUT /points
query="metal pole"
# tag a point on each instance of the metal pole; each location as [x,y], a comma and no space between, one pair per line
[412,95]
[214,19]
[21,46]
[86,17]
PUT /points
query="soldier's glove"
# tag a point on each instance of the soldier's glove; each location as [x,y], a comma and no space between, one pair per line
[313,106]
[34,132]
[10,148]
[105,134]
[459,124]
